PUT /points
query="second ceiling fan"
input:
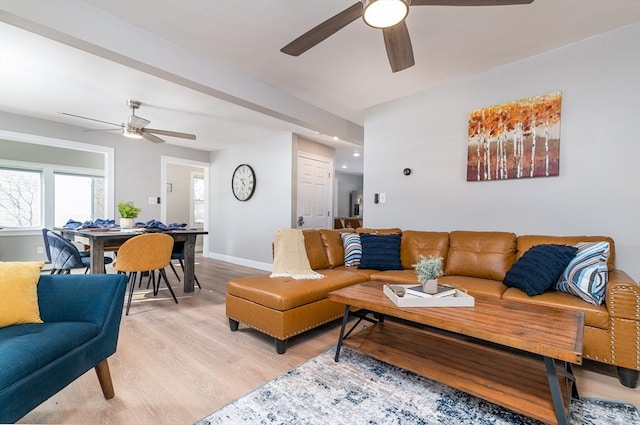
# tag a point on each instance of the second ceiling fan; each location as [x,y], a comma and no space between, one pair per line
[388,15]
[136,127]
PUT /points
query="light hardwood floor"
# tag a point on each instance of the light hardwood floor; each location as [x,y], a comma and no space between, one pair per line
[176,363]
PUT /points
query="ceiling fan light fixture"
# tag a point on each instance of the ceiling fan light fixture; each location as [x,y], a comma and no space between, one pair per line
[131,133]
[384,13]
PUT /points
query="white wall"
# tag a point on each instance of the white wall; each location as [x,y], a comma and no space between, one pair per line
[242,232]
[598,190]
[28,152]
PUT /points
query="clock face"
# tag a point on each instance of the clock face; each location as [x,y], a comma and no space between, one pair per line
[243,182]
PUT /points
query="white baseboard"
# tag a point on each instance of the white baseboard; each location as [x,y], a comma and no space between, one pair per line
[240,261]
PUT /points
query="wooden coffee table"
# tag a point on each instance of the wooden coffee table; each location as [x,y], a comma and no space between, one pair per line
[503,352]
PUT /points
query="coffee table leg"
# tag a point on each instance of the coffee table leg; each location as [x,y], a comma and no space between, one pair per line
[574,386]
[556,394]
[345,319]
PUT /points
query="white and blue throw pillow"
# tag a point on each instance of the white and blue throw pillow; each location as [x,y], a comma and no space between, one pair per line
[587,274]
[352,249]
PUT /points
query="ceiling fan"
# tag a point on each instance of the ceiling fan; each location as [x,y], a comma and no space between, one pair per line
[388,15]
[136,127]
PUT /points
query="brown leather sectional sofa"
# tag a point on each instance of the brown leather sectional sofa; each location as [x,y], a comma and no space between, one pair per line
[475,261]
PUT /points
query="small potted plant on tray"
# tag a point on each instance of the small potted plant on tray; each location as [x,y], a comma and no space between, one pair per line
[128,211]
[428,269]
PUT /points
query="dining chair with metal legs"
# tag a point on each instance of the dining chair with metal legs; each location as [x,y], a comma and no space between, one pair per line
[145,253]
[64,255]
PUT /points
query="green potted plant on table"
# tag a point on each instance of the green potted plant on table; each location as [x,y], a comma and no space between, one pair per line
[128,211]
[428,269]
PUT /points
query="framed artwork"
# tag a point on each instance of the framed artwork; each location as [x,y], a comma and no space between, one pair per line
[515,140]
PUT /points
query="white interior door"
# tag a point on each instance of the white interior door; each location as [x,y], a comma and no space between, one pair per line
[315,184]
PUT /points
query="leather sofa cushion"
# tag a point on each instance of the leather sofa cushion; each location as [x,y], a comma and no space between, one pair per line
[476,287]
[595,316]
[316,253]
[485,255]
[364,272]
[285,293]
[389,231]
[333,245]
[31,347]
[527,241]
[402,277]
[415,243]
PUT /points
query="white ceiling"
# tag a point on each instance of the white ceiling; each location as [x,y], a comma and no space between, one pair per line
[344,75]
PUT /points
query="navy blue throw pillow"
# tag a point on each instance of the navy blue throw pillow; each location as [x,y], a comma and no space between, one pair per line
[539,268]
[380,252]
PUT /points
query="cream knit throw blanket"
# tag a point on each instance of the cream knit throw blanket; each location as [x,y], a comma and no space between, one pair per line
[290,256]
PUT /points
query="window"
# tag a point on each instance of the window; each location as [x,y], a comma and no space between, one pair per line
[33,196]
[78,197]
[20,198]
[198,199]
[74,180]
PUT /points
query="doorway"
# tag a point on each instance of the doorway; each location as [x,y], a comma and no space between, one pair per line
[185,185]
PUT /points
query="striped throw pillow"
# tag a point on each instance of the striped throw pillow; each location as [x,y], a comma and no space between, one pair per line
[587,275]
[352,249]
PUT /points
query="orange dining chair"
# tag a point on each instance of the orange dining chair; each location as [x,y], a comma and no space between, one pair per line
[337,223]
[145,253]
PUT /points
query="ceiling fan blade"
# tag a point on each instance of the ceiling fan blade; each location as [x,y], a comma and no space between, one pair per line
[138,122]
[151,137]
[468,2]
[398,44]
[91,119]
[169,133]
[102,129]
[323,31]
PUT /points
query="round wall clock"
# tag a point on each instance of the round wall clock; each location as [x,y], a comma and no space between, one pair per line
[243,182]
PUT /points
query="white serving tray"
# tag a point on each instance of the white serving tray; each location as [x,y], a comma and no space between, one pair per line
[460,299]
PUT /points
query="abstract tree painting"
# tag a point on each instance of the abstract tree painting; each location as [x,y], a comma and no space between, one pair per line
[515,140]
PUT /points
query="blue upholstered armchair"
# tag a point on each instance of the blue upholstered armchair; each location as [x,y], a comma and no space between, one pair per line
[81,315]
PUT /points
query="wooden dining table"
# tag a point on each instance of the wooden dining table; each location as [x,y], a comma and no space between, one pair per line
[98,239]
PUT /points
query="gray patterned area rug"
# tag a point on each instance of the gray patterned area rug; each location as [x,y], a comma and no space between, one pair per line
[361,390]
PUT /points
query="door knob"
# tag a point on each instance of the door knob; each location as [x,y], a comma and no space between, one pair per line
[300,221]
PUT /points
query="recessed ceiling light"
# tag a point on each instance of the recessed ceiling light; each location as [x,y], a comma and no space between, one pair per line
[336,138]
[344,166]
[356,154]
